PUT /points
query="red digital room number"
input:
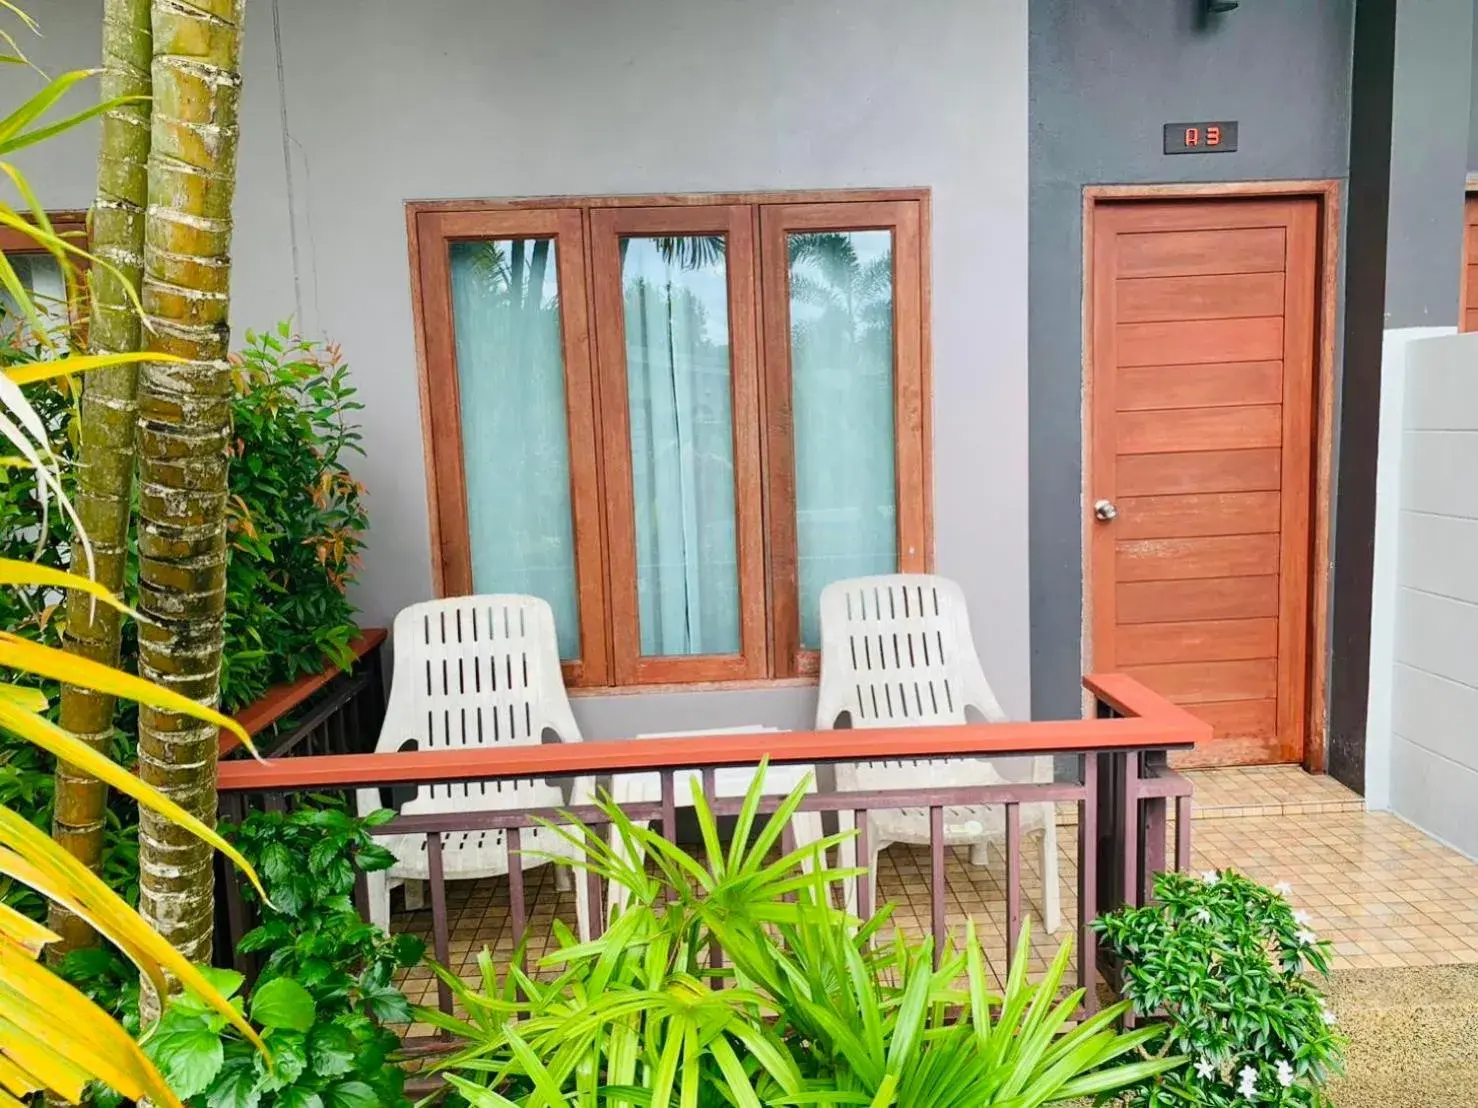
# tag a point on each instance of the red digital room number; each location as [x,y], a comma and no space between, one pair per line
[1201,138]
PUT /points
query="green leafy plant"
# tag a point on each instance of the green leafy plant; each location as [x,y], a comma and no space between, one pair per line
[297,529]
[1224,963]
[811,1011]
[37,613]
[324,996]
[296,517]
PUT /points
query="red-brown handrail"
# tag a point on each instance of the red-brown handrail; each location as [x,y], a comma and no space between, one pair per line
[1149,722]
[279,700]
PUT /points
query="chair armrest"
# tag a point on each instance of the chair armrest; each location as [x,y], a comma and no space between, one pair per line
[367,801]
[582,791]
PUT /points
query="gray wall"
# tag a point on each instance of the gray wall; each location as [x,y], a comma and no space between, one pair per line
[1434,686]
[451,98]
[1430,120]
[1104,77]
[1473,110]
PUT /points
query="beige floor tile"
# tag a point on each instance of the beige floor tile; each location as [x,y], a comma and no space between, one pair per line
[1380,890]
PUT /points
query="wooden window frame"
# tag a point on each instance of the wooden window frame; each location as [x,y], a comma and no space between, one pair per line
[912,493]
[441,410]
[588,229]
[735,223]
[71,225]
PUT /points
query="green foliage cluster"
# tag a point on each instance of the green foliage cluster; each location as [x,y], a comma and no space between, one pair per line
[1225,964]
[297,527]
[296,515]
[325,997]
[810,1011]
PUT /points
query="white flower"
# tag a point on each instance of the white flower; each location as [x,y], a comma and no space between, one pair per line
[1204,1069]
[1329,1017]
[1248,1088]
[1307,937]
[1283,888]
[1285,1074]
[1302,918]
[1211,877]
[1203,915]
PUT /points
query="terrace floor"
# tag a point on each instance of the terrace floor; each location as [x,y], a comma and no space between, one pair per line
[1386,894]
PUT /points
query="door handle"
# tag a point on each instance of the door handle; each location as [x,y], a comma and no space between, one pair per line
[1105,511]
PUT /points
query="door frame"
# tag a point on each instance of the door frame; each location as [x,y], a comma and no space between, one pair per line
[1470,194]
[1326,193]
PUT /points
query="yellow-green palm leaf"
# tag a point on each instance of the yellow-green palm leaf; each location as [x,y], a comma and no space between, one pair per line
[57,742]
[45,661]
[32,372]
[33,575]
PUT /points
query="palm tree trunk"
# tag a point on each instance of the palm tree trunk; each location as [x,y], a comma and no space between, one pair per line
[184,429]
[105,453]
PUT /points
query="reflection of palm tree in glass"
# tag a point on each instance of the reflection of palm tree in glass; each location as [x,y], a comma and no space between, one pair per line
[686,251]
[678,389]
[518,305]
[828,277]
[841,333]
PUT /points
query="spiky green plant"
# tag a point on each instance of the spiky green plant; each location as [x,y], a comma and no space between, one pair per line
[812,1009]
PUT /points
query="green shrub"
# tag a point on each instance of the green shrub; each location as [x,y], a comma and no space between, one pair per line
[297,527]
[296,517]
[810,1013]
[325,994]
[1223,963]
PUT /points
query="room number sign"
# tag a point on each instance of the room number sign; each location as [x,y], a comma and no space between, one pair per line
[1201,138]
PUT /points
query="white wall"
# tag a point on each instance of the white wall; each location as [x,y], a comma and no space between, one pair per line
[1422,752]
[387,102]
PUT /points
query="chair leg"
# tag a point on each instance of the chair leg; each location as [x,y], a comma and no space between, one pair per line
[807,826]
[1051,888]
[583,908]
[564,881]
[980,854]
[377,886]
[415,896]
[617,894]
[872,875]
[847,859]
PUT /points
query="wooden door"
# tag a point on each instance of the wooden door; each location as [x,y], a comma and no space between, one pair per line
[1202,379]
[1467,318]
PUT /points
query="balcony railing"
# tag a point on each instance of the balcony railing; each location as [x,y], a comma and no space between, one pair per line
[333,712]
[1121,791]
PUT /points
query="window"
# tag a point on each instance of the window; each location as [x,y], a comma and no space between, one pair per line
[676,420]
[63,311]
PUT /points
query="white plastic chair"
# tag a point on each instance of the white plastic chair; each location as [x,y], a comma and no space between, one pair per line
[728,782]
[475,671]
[896,651]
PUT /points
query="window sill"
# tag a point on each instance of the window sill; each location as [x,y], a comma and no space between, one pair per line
[696,687]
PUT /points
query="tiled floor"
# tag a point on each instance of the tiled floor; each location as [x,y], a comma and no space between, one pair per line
[1269,791]
[1381,890]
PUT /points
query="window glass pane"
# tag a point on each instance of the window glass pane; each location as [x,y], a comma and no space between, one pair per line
[41,274]
[682,443]
[515,436]
[841,359]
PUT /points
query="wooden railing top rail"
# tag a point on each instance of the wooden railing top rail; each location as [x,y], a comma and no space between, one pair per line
[279,700]
[1149,723]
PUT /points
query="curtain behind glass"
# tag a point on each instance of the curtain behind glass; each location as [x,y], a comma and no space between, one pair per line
[679,401]
[41,274]
[841,359]
[515,436]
